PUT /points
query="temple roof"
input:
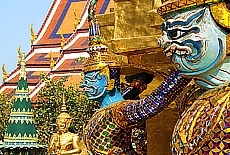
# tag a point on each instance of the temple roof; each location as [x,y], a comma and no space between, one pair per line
[60,16]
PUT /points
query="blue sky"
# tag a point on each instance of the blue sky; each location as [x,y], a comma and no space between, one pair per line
[15,19]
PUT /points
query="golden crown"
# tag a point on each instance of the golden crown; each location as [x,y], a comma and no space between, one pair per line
[99,57]
[99,61]
[218,8]
[63,114]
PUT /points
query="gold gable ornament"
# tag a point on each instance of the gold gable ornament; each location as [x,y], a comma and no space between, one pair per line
[76,19]
[19,55]
[33,36]
[52,62]
[63,41]
[5,75]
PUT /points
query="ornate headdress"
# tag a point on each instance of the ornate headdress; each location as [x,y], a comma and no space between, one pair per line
[99,57]
[218,8]
[63,114]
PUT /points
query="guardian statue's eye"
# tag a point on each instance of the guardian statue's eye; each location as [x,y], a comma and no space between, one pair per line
[163,27]
[175,34]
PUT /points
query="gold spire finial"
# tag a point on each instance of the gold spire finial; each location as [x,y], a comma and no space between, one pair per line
[98,50]
[33,36]
[62,39]
[5,75]
[63,107]
[23,68]
[76,19]
[19,55]
[52,62]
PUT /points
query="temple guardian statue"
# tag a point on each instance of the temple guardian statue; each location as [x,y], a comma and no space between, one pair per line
[109,130]
[196,40]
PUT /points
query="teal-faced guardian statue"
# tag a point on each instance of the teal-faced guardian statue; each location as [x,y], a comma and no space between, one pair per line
[98,86]
[196,40]
[196,45]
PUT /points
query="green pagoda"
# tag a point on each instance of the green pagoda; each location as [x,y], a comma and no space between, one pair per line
[20,136]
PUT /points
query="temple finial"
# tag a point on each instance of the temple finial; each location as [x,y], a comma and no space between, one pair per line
[76,19]
[23,69]
[62,39]
[98,50]
[96,42]
[33,36]
[5,75]
[19,55]
[63,107]
[52,62]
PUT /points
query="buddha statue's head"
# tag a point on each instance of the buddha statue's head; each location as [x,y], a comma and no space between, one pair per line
[63,120]
[195,34]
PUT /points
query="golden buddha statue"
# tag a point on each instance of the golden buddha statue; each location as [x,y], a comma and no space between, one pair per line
[65,142]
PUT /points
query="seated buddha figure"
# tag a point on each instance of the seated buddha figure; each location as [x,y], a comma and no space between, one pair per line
[64,142]
[196,40]
[110,128]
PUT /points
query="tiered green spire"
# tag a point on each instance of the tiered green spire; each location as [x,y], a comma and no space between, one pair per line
[21,131]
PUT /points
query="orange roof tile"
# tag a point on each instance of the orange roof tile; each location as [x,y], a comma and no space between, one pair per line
[69,64]
[55,78]
[80,43]
[9,91]
[32,77]
[62,19]
[73,79]
[42,58]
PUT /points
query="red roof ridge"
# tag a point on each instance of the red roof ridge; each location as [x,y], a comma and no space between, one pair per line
[36,87]
[47,16]
[2,85]
[46,19]
[13,72]
[59,58]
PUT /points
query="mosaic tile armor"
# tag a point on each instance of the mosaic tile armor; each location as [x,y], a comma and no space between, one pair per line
[109,130]
[204,127]
[196,40]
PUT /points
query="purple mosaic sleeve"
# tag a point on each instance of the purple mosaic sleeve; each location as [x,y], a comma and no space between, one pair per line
[161,97]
